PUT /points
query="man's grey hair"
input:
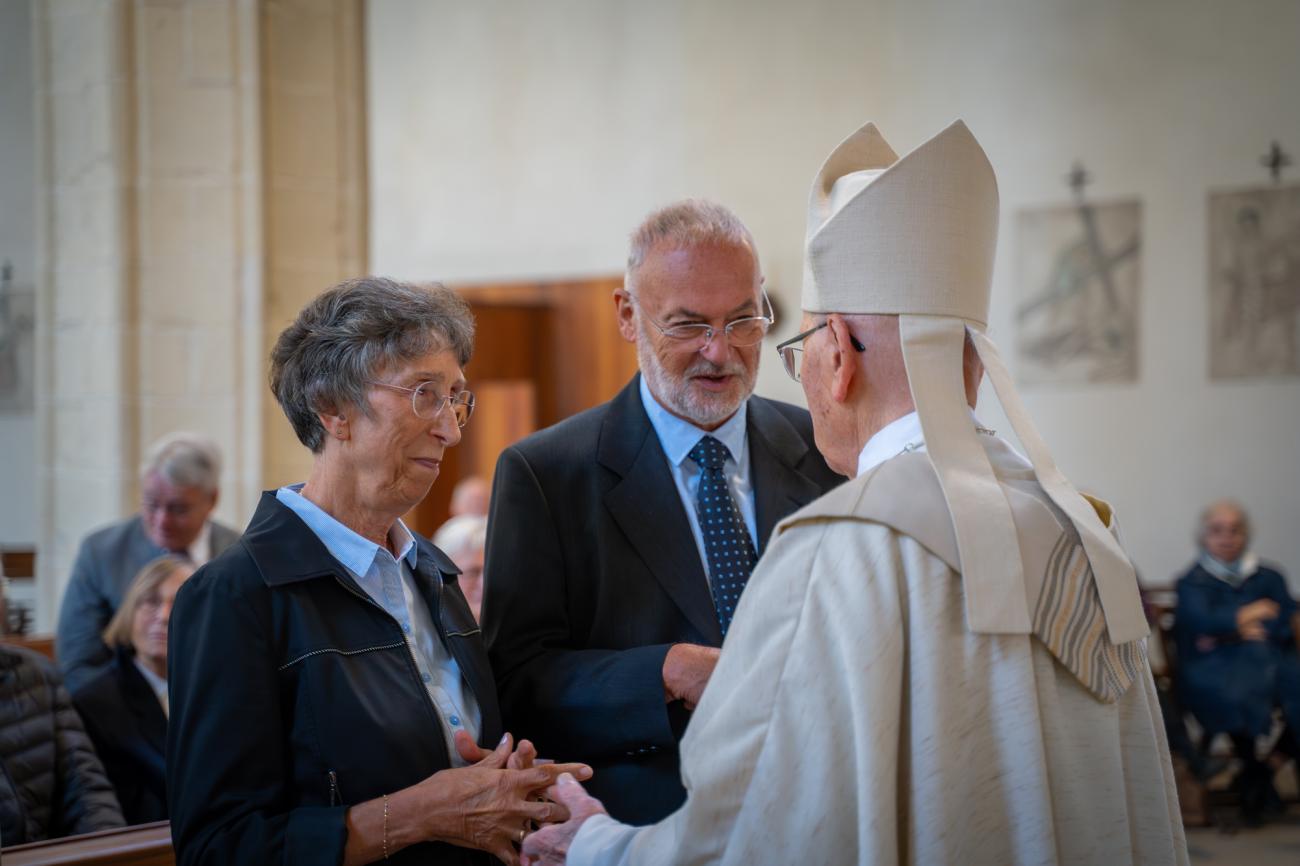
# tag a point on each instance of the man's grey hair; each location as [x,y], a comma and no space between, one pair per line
[184,459]
[685,224]
[344,338]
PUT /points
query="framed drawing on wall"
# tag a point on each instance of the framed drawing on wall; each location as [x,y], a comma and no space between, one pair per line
[1078,278]
[1254,282]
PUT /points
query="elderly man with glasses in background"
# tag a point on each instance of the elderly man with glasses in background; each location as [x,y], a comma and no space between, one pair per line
[179,482]
[620,540]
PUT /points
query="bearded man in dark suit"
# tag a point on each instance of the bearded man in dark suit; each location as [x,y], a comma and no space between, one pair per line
[619,540]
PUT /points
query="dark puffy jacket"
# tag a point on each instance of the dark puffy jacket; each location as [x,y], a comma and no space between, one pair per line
[53,783]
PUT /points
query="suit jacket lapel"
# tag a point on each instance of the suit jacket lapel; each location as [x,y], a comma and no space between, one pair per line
[646,506]
[775,451]
[143,702]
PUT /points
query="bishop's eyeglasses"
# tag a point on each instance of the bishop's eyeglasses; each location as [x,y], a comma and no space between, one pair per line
[791,351]
[427,403]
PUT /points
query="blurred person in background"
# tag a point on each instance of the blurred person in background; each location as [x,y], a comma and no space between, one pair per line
[463,539]
[179,482]
[328,680]
[52,783]
[1237,653]
[124,706]
[471,496]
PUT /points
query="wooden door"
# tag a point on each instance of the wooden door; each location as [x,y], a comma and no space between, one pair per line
[542,352]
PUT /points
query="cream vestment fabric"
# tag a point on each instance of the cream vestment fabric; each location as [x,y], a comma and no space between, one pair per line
[854,718]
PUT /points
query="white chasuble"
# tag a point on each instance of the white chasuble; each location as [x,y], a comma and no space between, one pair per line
[854,718]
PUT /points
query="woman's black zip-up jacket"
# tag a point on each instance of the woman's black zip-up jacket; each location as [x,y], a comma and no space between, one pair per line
[293,696]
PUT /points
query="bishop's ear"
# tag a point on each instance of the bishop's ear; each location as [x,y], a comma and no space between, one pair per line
[843,357]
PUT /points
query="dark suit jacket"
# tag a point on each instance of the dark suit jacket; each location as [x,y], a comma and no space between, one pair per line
[592,573]
[107,562]
[129,729]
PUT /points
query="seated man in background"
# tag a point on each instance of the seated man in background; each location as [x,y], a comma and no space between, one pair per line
[463,538]
[124,707]
[178,490]
[1237,655]
[51,781]
[620,540]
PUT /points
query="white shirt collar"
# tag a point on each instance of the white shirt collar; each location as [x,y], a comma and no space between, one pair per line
[678,436]
[200,549]
[345,544]
[899,435]
[895,437]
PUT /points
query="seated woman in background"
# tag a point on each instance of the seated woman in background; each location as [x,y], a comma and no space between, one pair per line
[124,707]
[1237,654]
[328,681]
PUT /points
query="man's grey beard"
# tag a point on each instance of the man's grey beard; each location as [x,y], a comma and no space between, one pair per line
[700,408]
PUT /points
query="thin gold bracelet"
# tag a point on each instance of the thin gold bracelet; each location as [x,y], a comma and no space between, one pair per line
[385,826]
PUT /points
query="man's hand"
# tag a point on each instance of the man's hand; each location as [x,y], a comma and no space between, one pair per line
[1251,618]
[549,846]
[687,669]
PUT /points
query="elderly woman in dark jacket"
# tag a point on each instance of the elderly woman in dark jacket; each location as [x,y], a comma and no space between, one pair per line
[328,681]
[51,782]
[125,705]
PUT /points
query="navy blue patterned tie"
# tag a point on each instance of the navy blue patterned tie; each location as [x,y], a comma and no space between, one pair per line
[727,545]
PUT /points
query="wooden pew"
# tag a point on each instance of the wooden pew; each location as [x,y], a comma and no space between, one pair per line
[145,845]
[41,643]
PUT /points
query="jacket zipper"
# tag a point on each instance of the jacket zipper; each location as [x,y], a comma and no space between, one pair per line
[410,651]
[335,796]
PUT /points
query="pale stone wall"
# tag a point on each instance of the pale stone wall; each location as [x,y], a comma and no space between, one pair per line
[86,408]
[313,111]
[170,255]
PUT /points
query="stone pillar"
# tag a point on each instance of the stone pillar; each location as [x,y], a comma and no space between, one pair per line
[313,114]
[150,260]
[202,175]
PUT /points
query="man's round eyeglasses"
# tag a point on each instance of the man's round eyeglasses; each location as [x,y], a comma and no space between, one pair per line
[791,351]
[740,333]
[427,403]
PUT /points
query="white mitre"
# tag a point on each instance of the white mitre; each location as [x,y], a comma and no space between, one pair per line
[915,237]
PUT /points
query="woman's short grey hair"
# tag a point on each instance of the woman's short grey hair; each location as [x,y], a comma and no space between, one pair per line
[344,338]
[685,224]
[184,459]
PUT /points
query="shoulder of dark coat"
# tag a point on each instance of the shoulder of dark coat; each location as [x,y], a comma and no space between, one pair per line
[573,438]
[231,573]
[29,667]
[100,690]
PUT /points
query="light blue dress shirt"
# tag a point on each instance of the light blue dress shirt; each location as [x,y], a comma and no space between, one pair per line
[677,437]
[390,582]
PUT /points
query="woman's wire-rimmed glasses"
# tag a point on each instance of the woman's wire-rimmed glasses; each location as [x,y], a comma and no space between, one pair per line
[791,351]
[746,331]
[427,403]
